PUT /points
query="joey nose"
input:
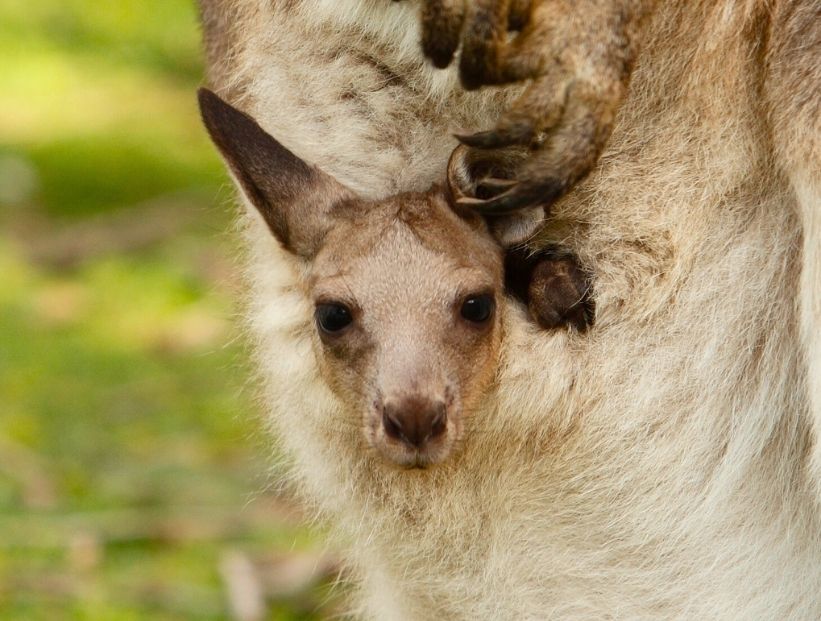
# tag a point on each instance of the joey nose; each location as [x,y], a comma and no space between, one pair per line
[414,421]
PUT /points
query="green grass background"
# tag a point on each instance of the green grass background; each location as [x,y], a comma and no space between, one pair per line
[132,462]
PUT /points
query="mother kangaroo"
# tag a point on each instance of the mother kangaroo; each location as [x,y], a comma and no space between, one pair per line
[665,464]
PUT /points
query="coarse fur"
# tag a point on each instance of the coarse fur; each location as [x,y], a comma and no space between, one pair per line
[665,464]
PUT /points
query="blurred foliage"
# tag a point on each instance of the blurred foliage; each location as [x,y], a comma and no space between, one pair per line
[99,97]
[131,464]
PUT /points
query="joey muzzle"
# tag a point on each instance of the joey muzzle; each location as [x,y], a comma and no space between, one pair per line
[415,421]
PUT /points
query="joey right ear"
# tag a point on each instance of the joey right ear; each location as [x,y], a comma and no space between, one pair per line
[475,175]
[556,289]
[294,199]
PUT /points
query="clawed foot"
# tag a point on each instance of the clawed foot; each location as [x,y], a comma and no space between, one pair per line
[577,57]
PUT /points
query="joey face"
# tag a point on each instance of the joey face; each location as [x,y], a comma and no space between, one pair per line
[408,303]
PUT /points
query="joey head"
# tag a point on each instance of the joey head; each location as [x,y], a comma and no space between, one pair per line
[408,291]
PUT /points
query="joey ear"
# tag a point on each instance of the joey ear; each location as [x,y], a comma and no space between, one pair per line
[294,198]
[475,175]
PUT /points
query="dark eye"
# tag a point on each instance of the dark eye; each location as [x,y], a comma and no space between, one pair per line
[332,318]
[478,308]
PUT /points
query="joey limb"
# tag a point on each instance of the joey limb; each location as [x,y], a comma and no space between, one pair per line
[577,56]
[407,291]
[555,288]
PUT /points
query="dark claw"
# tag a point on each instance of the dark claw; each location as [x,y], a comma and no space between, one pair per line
[471,203]
[497,138]
[506,203]
[438,46]
[495,185]
[481,140]
[489,187]
[441,30]
[521,196]
[439,55]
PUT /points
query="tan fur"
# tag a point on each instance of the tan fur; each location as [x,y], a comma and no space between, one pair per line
[658,466]
[794,67]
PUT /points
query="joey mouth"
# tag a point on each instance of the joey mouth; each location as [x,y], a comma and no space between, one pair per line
[414,432]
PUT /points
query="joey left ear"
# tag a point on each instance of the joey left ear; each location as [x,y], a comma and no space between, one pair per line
[475,175]
[295,199]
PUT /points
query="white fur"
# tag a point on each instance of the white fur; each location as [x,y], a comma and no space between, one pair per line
[657,467]
[807,185]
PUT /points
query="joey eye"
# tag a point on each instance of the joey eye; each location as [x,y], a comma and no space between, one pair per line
[333,317]
[478,308]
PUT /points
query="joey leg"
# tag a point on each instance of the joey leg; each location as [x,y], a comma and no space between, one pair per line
[555,288]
